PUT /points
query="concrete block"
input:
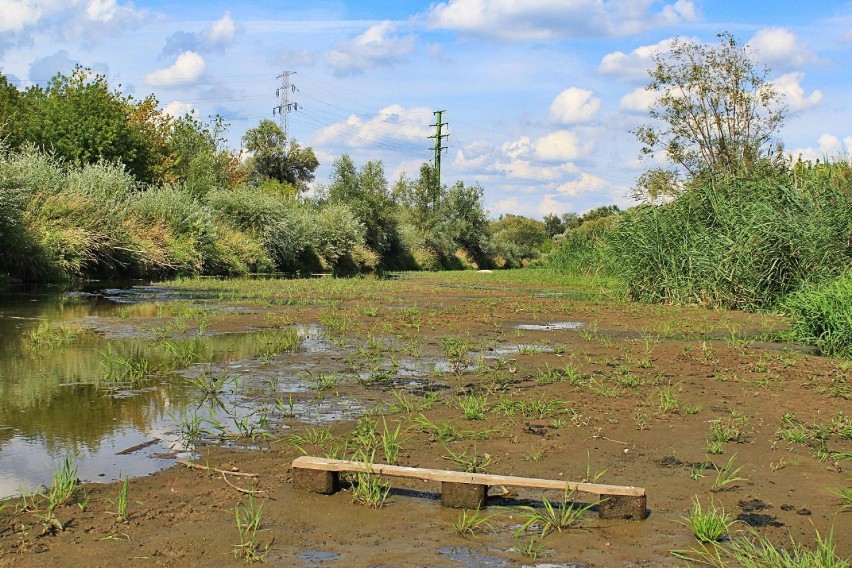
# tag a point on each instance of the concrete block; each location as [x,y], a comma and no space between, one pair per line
[316,480]
[463,495]
[623,507]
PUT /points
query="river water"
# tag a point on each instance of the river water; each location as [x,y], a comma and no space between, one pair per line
[52,404]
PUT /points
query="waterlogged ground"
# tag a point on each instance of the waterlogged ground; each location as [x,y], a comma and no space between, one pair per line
[512,373]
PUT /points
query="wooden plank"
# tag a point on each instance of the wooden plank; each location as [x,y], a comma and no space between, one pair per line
[328,464]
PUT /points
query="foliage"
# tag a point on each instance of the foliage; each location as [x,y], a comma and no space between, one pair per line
[274,157]
[518,239]
[822,315]
[741,242]
[716,108]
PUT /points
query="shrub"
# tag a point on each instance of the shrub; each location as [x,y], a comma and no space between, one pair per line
[822,315]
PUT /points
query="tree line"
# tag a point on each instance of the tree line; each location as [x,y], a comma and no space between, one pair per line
[97,183]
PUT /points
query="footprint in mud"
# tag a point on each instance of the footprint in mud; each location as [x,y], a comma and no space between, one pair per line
[753,505]
[317,557]
[752,518]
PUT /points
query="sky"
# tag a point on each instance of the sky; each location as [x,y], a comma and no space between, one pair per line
[540,96]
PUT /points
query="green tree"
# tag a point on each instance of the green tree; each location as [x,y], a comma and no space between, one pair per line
[80,120]
[553,225]
[523,234]
[366,193]
[274,157]
[715,111]
[10,119]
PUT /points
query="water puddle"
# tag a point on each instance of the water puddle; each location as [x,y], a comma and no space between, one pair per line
[555,326]
[316,557]
[473,558]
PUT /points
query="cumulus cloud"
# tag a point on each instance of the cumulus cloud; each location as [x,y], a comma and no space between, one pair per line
[639,100]
[829,147]
[549,205]
[781,49]
[790,88]
[219,35]
[187,69]
[586,182]
[633,66]
[222,30]
[534,20]
[574,105]
[89,19]
[178,109]
[562,145]
[378,45]
[393,123]
[508,205]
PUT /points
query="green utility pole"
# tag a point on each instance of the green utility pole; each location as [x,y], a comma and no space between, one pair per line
[438,147]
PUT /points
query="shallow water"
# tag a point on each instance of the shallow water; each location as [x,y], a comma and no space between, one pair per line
[59,400]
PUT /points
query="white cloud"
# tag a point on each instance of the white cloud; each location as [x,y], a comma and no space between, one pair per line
[562,145]
[393,124]
[508,205]
[379,45]
[187,69]
[639,100]
[790,88]
[585,183]
[18,14]
[829,147]
[178,109]
[780,48]
[633,66]
[222,30]
[70,18]
[574,105]
[534,20]
[101,10]
[549,205]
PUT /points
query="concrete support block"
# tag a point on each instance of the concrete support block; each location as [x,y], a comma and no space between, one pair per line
[316,480]
[623,507]
[463,495]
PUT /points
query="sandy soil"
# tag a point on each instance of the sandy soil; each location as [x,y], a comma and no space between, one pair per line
[649,383]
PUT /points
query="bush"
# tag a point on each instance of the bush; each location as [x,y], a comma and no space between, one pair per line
[822,315]
[586,249]
[734,242]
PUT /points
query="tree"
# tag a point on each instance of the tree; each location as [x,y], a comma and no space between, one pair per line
[273,157]
[716,111]
[366,194]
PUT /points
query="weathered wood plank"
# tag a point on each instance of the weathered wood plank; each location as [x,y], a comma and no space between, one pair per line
[328,464]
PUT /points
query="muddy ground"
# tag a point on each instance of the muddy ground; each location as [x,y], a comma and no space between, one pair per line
[630,397]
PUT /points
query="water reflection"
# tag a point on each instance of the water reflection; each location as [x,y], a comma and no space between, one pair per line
[76,393]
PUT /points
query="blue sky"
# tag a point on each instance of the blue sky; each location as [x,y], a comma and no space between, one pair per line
[540,95]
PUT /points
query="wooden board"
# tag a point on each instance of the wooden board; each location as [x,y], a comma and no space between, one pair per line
[328,464]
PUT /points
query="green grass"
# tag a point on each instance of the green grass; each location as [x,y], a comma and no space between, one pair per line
[469,523]
[248,519]
[563,515]
[822,315]
[710,524]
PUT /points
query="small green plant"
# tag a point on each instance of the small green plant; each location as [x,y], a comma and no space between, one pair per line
[470,462]
[696,472]
[63,483]
[391,443]
[532,549]
[325,382]
[368,489]
[456,351]
[248,517]
[727,475]
[715,447]
[473,406]
[120,502]
[118,368]
[473,522]
[710,524]
[563,516]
